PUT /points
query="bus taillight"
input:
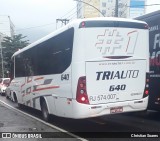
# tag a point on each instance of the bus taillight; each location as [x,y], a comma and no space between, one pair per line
[82,96]
[146,90]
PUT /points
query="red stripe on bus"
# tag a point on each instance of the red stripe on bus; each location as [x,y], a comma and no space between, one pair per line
[128,43]
[132,32]
[39,78]
[23,85]
[29,79]
[40,89]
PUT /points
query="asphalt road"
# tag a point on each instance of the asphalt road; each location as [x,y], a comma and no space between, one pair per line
[99,128]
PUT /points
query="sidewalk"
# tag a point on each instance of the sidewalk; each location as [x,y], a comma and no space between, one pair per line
[14,122]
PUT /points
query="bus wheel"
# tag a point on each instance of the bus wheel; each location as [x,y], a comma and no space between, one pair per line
[15,98]
[45,113]
[7,97]
[16,101]
[20,105]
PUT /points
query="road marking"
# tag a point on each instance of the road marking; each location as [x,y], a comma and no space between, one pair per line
[46,123]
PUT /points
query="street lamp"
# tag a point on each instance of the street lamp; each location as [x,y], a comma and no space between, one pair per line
[91,6]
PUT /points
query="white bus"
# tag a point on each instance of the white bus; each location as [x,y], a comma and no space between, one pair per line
[89,68]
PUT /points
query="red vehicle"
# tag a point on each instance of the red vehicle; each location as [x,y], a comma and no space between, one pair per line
[4,83]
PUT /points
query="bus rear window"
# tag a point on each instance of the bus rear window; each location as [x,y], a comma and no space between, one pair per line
[121,24]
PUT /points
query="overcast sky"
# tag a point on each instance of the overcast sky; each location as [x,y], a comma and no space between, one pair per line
[152,8]
[36,13]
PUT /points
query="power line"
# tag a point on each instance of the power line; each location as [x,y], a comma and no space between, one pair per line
[73,17]
[68,12]
[35,26]
[27,28]
[143,5]
[70,16]
[136,6]
[75,13]
[39,26]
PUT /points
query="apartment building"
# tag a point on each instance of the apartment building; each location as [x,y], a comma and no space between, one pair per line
[110,8]
[137,8]
[88,9]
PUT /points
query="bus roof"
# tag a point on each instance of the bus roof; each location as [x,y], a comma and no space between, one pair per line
[73,24]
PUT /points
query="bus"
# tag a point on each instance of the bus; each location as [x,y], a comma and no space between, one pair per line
[153,20]
[88,68]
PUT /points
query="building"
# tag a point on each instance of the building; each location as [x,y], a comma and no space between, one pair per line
[123,8]
[137,8]
[98,8]
[88,11]
[110,8]
[6,26]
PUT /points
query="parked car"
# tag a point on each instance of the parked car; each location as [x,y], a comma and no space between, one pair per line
[4,83]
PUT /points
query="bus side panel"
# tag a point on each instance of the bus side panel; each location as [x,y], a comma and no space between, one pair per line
[15,88]
[63,96]
[78,60]
[50,101]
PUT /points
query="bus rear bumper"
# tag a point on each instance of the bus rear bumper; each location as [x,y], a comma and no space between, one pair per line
[89,111]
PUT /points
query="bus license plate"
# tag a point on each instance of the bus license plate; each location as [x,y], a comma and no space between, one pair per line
[116,110]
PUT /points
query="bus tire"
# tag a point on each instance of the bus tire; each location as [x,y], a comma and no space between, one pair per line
[20,105]
[15,98]
[45,112]
[7,97]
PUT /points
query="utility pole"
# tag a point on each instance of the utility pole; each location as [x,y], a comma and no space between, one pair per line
[116,9]
[63,21]
[1,58]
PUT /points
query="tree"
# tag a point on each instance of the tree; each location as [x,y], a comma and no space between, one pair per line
[10,46]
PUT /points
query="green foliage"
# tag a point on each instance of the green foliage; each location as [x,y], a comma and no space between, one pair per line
[10,46]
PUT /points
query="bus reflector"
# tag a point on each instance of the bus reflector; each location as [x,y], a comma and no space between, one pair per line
[83,25]
[146,26]
[82,96]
